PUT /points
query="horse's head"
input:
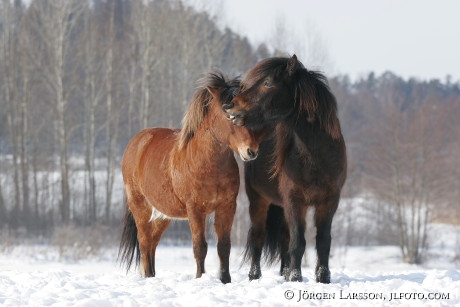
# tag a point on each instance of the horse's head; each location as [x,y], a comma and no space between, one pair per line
[240,139]
[267,93]
[276,88]
[205,112]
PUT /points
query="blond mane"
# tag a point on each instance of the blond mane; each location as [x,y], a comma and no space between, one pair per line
[200,104]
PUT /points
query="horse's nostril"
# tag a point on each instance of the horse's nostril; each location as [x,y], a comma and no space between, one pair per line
[228,106]
[252,154]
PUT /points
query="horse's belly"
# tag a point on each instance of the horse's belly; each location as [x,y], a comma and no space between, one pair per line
[160,211]
[165,204]
[160,196]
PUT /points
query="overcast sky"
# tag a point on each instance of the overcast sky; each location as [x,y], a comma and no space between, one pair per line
[412,38]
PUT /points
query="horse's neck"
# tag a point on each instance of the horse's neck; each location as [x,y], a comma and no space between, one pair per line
[311,138]
[205,149]
[297,135]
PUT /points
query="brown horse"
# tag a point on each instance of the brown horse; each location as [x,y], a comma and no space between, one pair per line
[185,174]
[301,164]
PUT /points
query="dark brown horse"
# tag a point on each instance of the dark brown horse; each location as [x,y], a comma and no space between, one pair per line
[301,164]
[185,174]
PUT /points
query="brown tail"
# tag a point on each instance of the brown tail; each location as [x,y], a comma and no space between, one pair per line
[129,246]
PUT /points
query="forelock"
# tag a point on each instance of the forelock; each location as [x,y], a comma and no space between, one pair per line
[271,66]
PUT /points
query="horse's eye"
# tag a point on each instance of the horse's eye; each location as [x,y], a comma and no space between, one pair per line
[267,83]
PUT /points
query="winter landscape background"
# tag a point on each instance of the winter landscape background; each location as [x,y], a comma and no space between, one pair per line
[35,275]
[79,78]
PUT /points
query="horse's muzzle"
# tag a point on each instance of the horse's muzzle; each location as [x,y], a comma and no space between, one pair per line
[249,155]
[252,154]
[237,116]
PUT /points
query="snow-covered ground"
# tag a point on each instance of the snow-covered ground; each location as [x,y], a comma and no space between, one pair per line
[361,276]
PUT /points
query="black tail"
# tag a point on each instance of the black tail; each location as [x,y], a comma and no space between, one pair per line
[275,229]
[129,244]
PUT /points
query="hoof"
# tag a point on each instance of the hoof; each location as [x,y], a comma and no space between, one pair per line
[254,273]
[225,278]
[146,274]
[285,272]
[323,275]
[295,275]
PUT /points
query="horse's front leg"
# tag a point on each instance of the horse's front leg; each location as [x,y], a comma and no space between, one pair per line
[284,252]
[223,221]
[323,220]
[197,222]
[295,220]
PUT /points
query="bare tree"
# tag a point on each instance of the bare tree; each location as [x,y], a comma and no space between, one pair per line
[281,37]
[3,216]
[13,93]
[25,71]
[141,18]
[7,91]
[307,43]
[112,67]
[448,210]
[92,96]
[55,23]
[405,173]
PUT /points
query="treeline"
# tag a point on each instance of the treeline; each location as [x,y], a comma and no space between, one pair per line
[403,137]
[79,78]
[403,141]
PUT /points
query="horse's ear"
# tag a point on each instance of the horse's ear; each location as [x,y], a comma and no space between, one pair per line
[292,65]
[215,92]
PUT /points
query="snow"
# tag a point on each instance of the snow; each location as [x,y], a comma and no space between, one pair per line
[34,275]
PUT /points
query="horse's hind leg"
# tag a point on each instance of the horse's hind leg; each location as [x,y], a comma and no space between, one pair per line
[197,222]
[141,214]
[323,220]
[144,235]
[148,236]
[144,230]
[258,210]
[159,227]
[223,221]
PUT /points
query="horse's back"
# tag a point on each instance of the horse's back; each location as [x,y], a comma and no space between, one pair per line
[146,140]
